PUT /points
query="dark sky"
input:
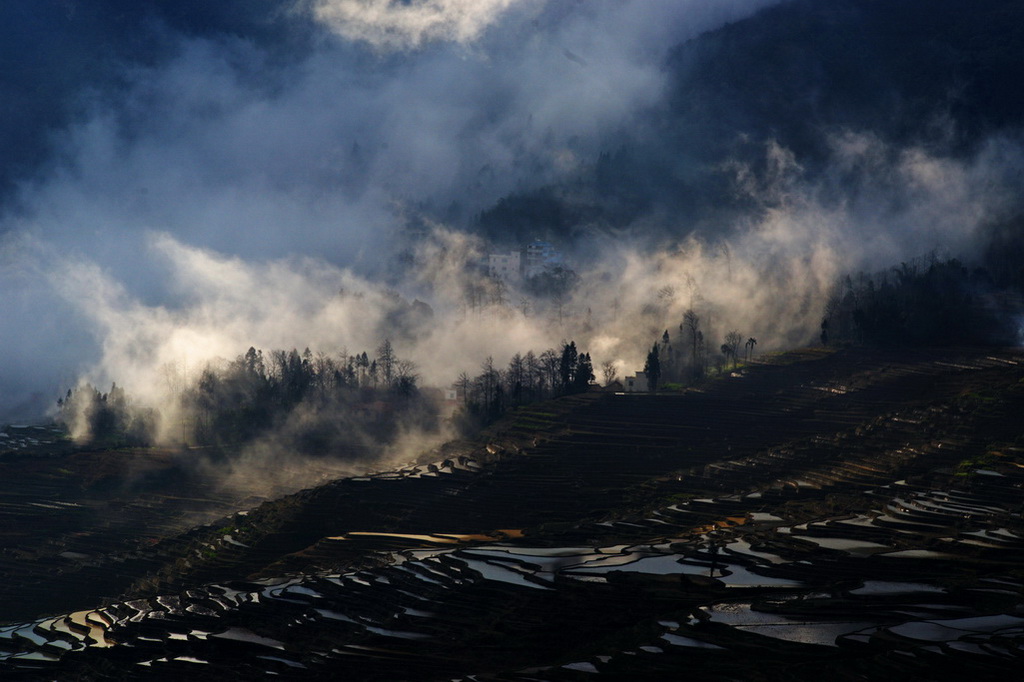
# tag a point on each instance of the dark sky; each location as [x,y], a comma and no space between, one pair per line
[54,51]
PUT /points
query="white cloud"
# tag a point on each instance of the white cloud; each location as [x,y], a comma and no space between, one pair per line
[398,24]
[276,184]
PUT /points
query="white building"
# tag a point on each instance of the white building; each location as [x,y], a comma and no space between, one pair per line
[636,384]
[533,259]
[504,266]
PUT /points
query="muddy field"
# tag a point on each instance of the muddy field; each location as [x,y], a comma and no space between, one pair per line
[847,514]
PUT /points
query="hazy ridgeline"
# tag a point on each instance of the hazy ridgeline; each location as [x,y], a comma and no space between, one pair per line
[347,406]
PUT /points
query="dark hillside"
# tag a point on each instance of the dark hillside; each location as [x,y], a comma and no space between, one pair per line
[803,68]
[863,498]
[908,72]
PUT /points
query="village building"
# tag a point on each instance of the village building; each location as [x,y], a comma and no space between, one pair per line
[534,259]
[505,266]
[539,256]
[635,384]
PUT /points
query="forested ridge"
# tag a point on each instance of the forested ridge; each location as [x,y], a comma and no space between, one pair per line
[318,404]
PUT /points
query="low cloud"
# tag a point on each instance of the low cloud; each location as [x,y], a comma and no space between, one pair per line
[769,276]
[223,199]
[396,24]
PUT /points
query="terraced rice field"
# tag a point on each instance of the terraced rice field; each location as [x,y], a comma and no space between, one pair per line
[855,515]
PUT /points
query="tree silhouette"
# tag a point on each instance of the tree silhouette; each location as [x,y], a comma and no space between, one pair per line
[732,342]
[567,366]
[692,323]
[583,374]
[609,372]
[463,383]
[386,362]
[652,368]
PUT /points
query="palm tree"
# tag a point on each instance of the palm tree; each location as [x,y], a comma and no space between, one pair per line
[749,345]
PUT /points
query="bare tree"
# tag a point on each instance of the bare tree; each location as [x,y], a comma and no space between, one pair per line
[550,361]
[532,372]
[463,384]
[515,375]
[405,377]
[386,362]
[702,356]
[324,372]
[498,292]
[609,372]
[488,381]
[474,295]
[691,322]
[733,341]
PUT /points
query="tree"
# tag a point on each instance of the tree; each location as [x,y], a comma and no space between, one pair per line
[498,292]
[583,374]
[554,283]
[516,376]
[702,356]
[732,341]
[254,362]
[532,375]
[666,356]
[488,380]
[550,361]
[405,378]
[652,368]
[463,384]
[609,372]
[692,323]
[751,342]
[567,365]
[362,363]
[386,362]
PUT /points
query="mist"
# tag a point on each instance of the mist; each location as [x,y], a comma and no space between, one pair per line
[218,147]
[222,196]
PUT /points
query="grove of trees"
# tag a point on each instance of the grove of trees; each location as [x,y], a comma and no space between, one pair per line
[922,302]
[315,401]
[319,404]
[106,419]
[689,358]
[527,378]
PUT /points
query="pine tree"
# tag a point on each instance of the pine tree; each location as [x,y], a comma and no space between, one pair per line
[652,368]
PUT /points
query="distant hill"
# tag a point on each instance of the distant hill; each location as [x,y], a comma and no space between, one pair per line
[937,74]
